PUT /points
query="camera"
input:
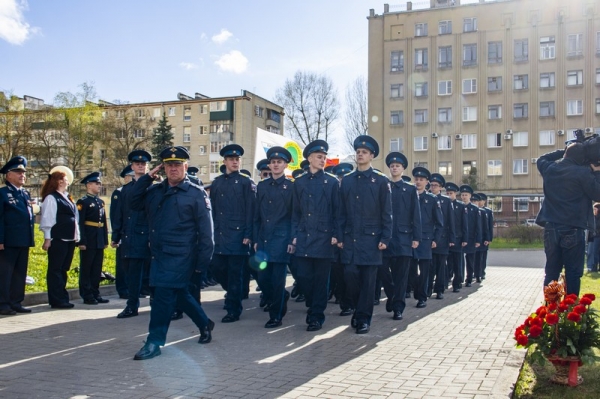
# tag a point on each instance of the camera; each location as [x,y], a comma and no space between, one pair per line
[591,146]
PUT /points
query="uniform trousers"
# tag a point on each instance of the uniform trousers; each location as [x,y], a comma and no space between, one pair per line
[484,262]
[479,263]
[313,277]
[13,271]
[228,270]
[385,280]
[134,269]
[457,266]
[395,270]
[470,263]
[272,284]
[422,284]
[165,300]
[90,267]
[360,287]
[339,285]
[120,275]
[564,247]
[438,273]
[60,256]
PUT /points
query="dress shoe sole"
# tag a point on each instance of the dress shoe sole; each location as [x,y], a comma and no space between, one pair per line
[126,316]
[227,319]
[397,318]
[65,306]
[313,328]
[22,310]
[273,325]
[362,330]
[90,303]
[150,356]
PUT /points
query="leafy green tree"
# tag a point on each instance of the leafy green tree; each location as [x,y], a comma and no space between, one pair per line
[472,179]
[162,138]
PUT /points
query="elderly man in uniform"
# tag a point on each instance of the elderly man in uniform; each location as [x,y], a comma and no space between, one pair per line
[455,258]
[93,240]
[314,230]
[365,214]
[475,238]
[16,236]
[121,275]
[181,241]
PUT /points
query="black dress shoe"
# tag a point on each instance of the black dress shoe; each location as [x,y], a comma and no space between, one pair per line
[353,322]
[455,290]
[7,312]
[102,300]
[376,302]
[177,315]
[205,333]
[148,351]
[272,323]
[439,295]
[66,305]
[407,295]
[468,284]
[347,312]
[478,280]
[90,301]
[294,293]
[230,318]
[267,307]
[421,304]
[263,301]
[388,305]
[300,298]
[362,328]
[21,309]
[397,315]
[314,326]
[127,312]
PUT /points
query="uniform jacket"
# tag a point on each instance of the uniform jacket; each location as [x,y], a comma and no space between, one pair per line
[406,217]
[232,197]
[490,225]
[273,218]
[461,224]
[92,209]
[449,230]
[130,227]
[474,227]
[485,232]
[114,203]
[16,217]
[314,215]
[432,223]
[181,233]
[365,216]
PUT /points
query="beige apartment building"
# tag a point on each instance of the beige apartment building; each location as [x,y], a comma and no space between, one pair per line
[489,85]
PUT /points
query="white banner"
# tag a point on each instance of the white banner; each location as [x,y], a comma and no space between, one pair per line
[266,140]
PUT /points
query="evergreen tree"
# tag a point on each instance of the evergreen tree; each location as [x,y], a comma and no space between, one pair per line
[162,138]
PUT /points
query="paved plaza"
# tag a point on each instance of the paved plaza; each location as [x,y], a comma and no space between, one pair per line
[459,347]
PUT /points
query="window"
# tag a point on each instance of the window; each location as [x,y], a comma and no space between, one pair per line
[546,108]
[495,111]
[139,133]
[521,50]
[520,139]
[495,83]
[421,143]
[171,111]
[216,106]
[445,142]
[494,167]
[421,116]
[468,166]
[444,87]
[469,141]
[521,204]
[187,134]
[469,54]
[445,168]
[520,166]
[421,164]
[444,115]
[203,109]
[574,107]
[598,105]
[598,76]
[571,134]
[397,91]
[421,29]
[469,86]
[120,114]
[520,110]
[396,145]
[547,137]
[494,52]
[214,167]
[397,61]
[575,45]
[202,150]
[597,42]
[494,140]
[495,203]
[469,24]
[445,27]
[421,58]
[547,80]
[187,113]
[273,115]
[445,57]
[217,146]
[574,78]
[203,129]
[89,157]
[421,89]
[258,111]
[120,134]
[220,126]
[521,82]
[469,114]
[139,113]
[273,129]
[547,48]
[397,118]
[156,112]
[203,170]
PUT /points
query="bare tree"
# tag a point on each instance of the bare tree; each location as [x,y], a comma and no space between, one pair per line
[356,113]
[311,106]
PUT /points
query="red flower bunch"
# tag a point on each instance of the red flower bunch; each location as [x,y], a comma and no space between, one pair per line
[563,327]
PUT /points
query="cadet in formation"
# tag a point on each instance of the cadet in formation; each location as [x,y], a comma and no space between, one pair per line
[456,260]
[474,239]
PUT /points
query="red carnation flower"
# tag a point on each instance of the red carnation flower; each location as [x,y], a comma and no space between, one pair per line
[585,301]
[580,309]
[575,317]
[520,330]
[535,331]
[537,322]
[552,307]
[563,307]
[590,296]
[540,310]
[572,296]
[569,300]
[551,318]
[522,340]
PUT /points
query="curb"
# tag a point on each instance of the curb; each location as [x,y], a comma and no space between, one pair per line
[39,298]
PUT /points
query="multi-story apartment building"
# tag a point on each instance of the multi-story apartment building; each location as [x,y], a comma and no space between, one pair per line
[487,86]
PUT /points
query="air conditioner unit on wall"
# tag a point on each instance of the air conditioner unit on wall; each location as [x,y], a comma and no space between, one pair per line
[458,137]
[561,132]
[507,136]
[434,135]
[589,130]
[509,131]
[533,160]
[534,199]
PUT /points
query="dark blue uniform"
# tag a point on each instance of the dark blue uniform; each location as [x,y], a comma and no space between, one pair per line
[490,227]
[121,276]
[455,258]
[442,249]
[475,237]
[486,236]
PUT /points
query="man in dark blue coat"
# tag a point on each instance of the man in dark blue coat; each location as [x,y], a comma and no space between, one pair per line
[475,237]
[483,218]
[16,236]
[314,230]
[181,240]
[570,186]
[121,274]
[455,258]
[406,235]
[490,233]
[93,239]
[232,195]
[273,234]
[365,229]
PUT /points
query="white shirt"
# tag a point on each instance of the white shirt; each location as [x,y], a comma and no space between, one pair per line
[48,219]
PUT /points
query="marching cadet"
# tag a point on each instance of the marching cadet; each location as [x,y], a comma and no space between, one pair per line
[314,230]
[483,219]
[365,229]
[121,275]
[406,216]
[474,238]
[447,239]
[93,239]
[432,224]
[455,258]
[232,196]
[490,234]
[272,233]
[263,168]
[16,236]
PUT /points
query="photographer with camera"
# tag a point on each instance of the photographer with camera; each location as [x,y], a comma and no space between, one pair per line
[571,184]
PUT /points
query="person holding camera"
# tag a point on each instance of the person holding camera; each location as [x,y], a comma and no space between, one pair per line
[570,186]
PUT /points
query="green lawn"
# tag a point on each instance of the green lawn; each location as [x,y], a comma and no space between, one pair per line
[508,243]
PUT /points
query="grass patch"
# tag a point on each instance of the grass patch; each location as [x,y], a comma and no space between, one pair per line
[511,243]
[38,265]
[534,381]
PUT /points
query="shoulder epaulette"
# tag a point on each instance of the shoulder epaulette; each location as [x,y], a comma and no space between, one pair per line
[331,175]
[349,173]
[433,195]
[380,173]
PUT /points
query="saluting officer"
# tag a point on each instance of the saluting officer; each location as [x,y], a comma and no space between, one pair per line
[232,195]
[16,236]
[474,238]
[365,229]
[121,274]
[93,239]
[455,258]
[314,229]
[490,234]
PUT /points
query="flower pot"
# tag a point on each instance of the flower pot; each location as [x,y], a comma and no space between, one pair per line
[566,370]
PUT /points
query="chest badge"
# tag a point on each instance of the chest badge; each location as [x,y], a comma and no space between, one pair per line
[236,182]
[372,180]
[92,205]
[284,187]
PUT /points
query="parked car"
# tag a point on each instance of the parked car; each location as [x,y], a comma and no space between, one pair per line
[529,222]
[500,223]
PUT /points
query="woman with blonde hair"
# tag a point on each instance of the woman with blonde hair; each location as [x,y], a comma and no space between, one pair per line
[61,232]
